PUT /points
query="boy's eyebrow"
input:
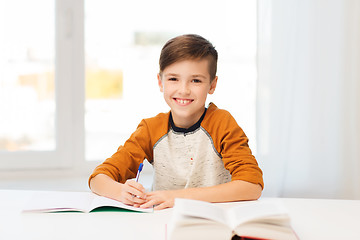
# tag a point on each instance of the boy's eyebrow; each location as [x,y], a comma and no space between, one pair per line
[171,74]
[198,76]
[176,75]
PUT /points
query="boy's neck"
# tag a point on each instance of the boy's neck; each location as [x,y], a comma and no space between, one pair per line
[188,128]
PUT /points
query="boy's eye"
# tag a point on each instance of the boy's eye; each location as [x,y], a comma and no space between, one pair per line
[196,81]
[172,79]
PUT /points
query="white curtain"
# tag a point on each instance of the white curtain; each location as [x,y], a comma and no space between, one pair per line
[308,98]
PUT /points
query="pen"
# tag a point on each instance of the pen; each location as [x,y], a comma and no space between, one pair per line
[139,171]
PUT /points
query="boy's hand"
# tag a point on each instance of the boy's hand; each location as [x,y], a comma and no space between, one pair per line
[132,193]
[163,199]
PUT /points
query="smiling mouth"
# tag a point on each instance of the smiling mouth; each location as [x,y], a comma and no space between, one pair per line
[183,101]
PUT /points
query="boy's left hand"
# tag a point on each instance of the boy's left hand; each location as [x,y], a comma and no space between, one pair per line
[162,199]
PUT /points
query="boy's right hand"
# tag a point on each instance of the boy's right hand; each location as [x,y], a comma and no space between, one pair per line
[132,193]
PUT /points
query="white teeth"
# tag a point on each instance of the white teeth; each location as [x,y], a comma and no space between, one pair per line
[182,101]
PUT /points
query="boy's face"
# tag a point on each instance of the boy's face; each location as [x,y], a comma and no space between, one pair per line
[185,85]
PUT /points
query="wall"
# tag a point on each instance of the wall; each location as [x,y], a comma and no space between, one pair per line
[308,109]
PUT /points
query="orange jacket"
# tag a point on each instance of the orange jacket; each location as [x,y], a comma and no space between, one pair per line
[211,154]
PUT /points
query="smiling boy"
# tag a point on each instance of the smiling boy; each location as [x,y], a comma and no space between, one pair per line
[185,85]
[197,152]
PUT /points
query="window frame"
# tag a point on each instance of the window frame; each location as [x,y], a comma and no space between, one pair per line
[69,98]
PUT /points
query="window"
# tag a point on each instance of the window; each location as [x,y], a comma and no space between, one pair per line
[38,54]
[76,77]
[27,77]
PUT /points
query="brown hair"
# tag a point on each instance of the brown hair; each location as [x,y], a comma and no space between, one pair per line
[188,47]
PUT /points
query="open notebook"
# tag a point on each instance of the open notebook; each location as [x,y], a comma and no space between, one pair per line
[48,201]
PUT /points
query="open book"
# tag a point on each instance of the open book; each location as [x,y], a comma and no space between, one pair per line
[73,201]
[262,219]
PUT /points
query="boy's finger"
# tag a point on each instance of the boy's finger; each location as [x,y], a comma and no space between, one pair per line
[136,185]
[136,193]
[128,200]
[132,200]
[133,192]
[161,206]
[138,201]
[148,204]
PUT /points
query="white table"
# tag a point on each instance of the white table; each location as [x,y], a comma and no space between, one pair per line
[311,219]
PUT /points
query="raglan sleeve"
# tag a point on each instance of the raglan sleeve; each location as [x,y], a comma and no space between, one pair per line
[123,164]
[232,144]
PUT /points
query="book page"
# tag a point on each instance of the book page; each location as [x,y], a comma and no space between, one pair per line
[199,209]
[271,211]
[266,231]
[50,201]
[100,201]
[186,227]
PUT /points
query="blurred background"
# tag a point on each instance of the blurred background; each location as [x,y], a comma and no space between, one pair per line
[76,78]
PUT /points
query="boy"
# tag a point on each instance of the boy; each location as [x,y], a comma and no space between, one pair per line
[197,152]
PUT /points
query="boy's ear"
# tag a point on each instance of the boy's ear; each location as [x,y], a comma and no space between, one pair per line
[213,85]
[160,83]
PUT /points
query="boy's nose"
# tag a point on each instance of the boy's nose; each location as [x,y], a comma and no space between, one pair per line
[185,88]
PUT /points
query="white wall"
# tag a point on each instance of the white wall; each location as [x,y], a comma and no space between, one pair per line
[308,112]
